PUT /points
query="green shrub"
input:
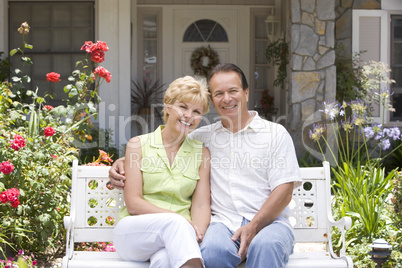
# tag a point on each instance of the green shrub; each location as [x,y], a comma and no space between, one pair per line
[5,66]
[37,146]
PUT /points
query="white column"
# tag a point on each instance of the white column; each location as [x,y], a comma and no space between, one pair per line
[113,27]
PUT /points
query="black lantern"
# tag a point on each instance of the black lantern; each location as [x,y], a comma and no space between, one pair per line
[381,251]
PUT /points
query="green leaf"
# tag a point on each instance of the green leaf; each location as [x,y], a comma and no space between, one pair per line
[26,60]
[12,52]
[67,88]
[33,127]
[16,79]
[73,92]
[22,263]
[79,85]
[26,78]
[28,46]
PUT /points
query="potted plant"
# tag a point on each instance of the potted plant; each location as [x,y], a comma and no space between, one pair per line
[144,96]
[266,101]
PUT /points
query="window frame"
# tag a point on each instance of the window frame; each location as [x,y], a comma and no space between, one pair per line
[141,11]
[73,51]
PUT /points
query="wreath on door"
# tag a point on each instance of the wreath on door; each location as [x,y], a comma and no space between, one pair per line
[198,57]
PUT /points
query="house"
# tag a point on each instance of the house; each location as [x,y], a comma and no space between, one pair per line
[155,40]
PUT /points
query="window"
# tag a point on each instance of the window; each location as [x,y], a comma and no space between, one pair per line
[205,31]
[396,66]
[370,34]
[149,66]
[58,30]
[260,79]
[149,47]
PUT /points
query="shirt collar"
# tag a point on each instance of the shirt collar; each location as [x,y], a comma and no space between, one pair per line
[156,140]
[255,124]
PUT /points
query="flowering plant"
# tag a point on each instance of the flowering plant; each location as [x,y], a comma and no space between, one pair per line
[266,100]
[356,147]
[20,260]
[36,150]
[103,160]
[353,136]
[96,246]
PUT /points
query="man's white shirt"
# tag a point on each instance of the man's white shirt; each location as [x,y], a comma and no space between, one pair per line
[246,167]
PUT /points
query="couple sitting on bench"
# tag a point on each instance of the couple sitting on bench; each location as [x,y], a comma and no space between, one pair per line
[214,196]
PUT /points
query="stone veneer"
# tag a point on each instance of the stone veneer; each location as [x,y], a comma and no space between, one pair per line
[312,72]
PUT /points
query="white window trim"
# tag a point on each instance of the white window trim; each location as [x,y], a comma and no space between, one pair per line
[384,43]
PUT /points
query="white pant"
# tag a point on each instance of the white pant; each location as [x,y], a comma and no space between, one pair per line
[166,239]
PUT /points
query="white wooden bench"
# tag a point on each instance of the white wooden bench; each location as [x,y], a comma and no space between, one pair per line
[92,200]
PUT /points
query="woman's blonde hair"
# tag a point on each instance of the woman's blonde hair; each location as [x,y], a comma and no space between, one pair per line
[187,89]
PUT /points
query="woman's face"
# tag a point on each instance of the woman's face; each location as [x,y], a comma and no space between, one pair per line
[184,116]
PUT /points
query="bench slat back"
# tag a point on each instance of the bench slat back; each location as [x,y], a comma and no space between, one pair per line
[94,206]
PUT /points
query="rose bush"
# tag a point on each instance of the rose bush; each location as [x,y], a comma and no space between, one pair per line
[37,146]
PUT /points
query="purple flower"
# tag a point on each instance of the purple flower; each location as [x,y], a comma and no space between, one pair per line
[317,131]
[384,144]
[394,133]
[368,132]
[331,109]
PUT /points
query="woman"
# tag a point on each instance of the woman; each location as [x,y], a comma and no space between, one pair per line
[167,192]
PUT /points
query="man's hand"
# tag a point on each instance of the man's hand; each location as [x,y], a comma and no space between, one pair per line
[246,233]
[199,236]
[116,174]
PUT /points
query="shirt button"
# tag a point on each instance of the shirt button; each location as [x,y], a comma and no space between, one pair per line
[170,189]
[168,197]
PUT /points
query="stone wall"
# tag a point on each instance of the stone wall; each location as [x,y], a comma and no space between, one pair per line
[312,73]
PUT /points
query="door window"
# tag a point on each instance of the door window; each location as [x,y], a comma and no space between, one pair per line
[205,31]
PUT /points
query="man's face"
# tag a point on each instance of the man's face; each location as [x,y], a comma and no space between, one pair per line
[228,96]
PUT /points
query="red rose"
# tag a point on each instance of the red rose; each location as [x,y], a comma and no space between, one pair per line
[98,56]
[87,46]
[102,72]
[15,203]
[14,146]
[48,107]
[100,45]
[18,142]
[3,197]
[11,196]
[53,77]
[15,191]
[6,167]
[49,131]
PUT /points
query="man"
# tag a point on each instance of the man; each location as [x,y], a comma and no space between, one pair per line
[253,172]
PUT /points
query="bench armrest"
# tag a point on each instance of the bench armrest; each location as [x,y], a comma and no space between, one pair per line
[343,224]
[69,225]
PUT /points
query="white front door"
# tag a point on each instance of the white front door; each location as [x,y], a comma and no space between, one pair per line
[227,51]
